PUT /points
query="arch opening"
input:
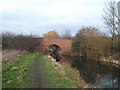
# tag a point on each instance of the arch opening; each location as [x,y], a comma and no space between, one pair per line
[54,51]
[54,48]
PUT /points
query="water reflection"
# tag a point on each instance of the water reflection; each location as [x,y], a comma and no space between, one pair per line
[97,73]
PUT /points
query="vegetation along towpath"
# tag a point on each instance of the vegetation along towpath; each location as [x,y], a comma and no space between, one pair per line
[34,70]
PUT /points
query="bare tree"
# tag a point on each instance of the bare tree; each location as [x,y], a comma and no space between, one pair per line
[67,34]
[118,4]
[111,19]
[110,16]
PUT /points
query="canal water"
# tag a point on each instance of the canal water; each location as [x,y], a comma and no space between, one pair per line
[97,73]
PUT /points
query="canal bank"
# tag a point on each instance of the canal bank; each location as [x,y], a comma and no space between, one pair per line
[92,73]
[54,77]
[114,62]
[105,59]
[73,74]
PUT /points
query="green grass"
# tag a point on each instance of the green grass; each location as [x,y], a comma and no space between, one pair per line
[54,78]
[14,73]
[109,58]
[73,74]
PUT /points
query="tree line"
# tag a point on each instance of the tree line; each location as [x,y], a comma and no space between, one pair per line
[88,41]
[21,42]
[92,43]
[54,34]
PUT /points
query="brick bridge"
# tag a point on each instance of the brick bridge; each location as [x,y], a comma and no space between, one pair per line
[63,44]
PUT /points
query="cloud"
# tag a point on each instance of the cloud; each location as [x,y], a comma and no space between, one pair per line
[39,16]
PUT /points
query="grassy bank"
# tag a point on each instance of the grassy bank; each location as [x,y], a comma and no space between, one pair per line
[74,74]
[17,73]
[14,73]
[54,77]
[110,60]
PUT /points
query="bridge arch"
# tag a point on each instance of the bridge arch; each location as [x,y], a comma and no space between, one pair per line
[62,44]
[55,47]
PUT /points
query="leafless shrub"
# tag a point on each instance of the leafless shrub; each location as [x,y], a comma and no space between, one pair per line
[20,42]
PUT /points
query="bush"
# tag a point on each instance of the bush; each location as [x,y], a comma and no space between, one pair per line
[91,43]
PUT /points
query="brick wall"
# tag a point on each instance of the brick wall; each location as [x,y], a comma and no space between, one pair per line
[64,44]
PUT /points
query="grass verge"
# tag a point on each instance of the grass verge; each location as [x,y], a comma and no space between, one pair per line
[73,74]
[54,78]
[14,73]
[109,58]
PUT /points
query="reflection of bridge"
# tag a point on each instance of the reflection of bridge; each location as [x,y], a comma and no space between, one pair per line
[63,44]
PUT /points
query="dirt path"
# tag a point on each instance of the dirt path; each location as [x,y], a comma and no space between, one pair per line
[35,79]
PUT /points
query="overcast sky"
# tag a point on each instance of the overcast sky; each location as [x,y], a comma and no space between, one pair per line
[41,16]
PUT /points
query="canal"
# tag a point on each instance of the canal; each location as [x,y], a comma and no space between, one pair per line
[96,73]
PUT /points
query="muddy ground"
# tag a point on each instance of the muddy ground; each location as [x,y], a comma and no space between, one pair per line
[36,79]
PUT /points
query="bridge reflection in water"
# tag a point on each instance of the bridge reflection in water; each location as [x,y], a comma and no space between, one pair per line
[99,74]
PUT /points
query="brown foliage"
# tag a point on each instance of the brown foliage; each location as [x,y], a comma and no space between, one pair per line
[51,34]
[20,42]
[91,43]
